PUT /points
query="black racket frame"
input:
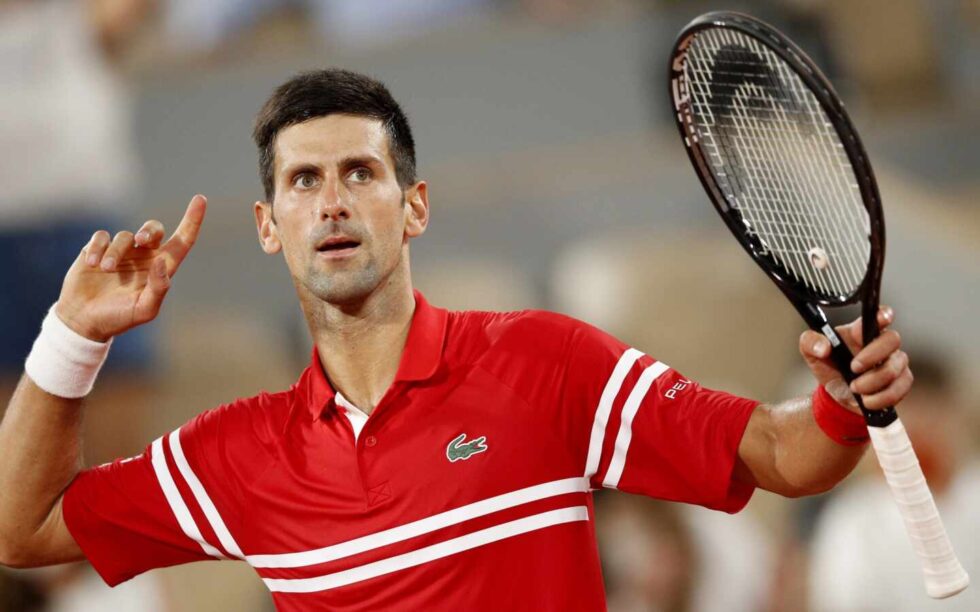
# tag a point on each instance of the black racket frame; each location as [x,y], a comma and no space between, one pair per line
[806,302]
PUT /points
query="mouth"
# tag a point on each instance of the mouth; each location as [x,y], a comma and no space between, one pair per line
[337,246]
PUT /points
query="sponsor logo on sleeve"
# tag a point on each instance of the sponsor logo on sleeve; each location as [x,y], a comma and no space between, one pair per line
[679,386]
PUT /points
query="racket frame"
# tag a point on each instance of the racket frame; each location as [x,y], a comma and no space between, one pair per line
[943,574]
[806,301]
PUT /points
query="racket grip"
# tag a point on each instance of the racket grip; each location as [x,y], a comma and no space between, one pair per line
[944,575]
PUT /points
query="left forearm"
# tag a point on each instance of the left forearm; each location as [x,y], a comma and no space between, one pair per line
[790,454]
[788,450]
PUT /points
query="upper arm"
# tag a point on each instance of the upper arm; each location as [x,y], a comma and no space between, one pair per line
[51,544]
[654,432]
[56,541]
[123,517]
[178,502]
[157,509]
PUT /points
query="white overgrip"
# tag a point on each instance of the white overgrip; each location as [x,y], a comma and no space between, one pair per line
[944,575]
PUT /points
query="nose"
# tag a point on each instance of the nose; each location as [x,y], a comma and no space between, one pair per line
[334,202]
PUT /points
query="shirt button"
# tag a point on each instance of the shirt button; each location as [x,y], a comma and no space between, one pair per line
[370,441]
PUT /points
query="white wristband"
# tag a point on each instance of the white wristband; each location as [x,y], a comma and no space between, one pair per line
[62,362]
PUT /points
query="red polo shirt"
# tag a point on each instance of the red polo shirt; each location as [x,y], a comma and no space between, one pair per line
[468,487]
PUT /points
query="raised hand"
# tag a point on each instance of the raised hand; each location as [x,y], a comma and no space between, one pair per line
[884,377]
[117,284]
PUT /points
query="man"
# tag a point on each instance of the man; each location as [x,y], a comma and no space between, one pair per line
[425,459]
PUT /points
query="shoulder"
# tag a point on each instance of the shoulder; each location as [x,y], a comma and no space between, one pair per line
[498,324]
[541,331]
[231,445]
[536,341]
[244,422]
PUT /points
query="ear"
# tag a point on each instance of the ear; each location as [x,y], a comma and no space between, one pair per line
[265,223]
[416,209]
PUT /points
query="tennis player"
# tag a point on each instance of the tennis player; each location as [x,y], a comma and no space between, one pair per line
[426,459]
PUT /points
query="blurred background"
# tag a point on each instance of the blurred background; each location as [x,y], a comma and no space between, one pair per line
[558,181]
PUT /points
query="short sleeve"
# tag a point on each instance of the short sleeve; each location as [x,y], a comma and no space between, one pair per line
[652,431]
[161,508]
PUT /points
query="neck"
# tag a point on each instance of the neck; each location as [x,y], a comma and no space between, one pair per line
[360,345]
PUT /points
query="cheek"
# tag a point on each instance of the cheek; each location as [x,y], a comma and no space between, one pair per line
[388,241]
[293,249]
[293,259]
[390,230]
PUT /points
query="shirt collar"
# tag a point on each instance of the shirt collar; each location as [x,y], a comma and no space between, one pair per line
[419,361]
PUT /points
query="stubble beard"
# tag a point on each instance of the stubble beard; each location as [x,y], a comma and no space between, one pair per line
[345,286]
[348,287]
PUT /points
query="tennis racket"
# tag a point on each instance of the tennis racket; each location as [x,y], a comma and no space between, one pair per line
[785,169]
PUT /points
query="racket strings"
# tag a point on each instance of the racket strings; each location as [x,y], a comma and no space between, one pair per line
[778,160]
[777,185]
[836,164]
[775,146]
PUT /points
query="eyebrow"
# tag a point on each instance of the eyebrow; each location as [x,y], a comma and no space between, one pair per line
[360,159]
[300,168]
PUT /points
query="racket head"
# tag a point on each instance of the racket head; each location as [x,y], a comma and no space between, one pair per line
[789,69]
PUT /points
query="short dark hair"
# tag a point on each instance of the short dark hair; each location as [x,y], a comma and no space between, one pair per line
[319,93]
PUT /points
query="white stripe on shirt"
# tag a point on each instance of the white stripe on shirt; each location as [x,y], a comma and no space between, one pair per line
[618,462]
[176,502]
[429,553]
[422,526]
[203,500]
[609,394]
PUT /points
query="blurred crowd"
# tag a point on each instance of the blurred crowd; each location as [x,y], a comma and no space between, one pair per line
[558,183]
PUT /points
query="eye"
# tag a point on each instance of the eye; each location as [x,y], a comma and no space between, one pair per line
[305,180]
[360,175]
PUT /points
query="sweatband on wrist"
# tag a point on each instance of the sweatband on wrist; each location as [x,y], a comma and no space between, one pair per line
[62,362]
[840,424]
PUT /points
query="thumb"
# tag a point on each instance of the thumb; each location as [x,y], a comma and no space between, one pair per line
[815,349]
[814,346]
[151,298]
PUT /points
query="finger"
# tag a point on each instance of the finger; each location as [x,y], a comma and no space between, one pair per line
[150,234]
[886,316]
[814,344]
[96,248]
[185,235]
[880,377]
[853,333]
[151,298]
[891,395]
[121,243]
[876,352]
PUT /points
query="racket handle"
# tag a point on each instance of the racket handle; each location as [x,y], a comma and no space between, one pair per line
[943,574]
[841,356]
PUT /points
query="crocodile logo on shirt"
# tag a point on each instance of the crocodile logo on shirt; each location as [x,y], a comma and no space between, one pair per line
[459,450]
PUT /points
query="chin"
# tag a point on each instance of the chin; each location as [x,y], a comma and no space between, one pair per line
[342,289]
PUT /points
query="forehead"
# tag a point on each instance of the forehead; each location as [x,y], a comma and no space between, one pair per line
[330,139]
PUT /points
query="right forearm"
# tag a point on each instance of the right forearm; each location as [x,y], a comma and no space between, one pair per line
[40,447]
